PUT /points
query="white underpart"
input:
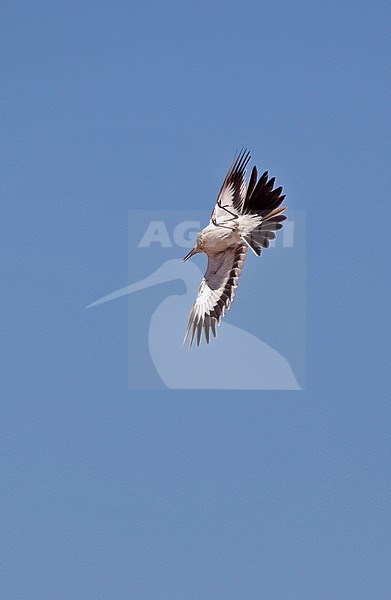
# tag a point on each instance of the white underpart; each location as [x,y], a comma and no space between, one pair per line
[247,223]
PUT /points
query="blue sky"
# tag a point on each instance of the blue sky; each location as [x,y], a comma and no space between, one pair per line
[109,493]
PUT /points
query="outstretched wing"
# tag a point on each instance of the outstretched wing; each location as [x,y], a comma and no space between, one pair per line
[261,199]
[232,194]
[215,293]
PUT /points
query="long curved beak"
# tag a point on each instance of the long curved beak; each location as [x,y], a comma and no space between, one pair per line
[191,253]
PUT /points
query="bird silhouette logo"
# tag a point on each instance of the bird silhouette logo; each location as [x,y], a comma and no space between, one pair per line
[244,217]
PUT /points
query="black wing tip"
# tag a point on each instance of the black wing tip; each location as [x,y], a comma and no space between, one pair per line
[241,159]
[261,195]
[199,328]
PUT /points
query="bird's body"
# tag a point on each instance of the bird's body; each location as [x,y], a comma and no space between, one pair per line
[243,217]
[215,239]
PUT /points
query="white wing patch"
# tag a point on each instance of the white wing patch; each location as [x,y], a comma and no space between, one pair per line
[232,194]
[215,293]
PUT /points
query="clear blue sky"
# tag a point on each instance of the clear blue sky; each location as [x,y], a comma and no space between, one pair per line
[112,494]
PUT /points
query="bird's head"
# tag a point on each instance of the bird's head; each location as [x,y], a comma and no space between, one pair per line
[198,247]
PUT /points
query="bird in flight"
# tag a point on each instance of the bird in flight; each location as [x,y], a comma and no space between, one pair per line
[244,216]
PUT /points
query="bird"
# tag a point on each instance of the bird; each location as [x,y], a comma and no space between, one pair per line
[244,216]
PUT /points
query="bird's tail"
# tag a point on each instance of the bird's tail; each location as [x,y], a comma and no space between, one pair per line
[261,212]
